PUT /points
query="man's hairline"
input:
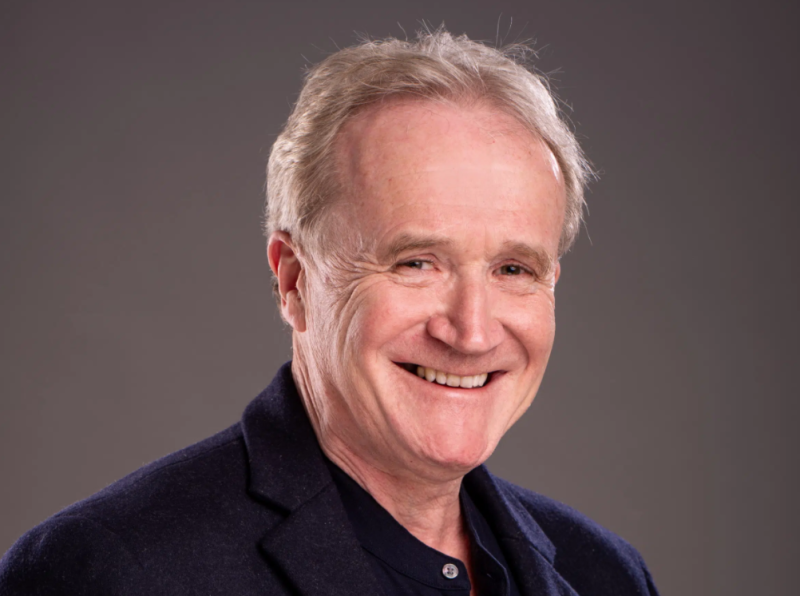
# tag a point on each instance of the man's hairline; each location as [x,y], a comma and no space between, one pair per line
[315,248]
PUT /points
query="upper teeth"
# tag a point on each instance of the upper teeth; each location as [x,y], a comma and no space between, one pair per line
[451,380]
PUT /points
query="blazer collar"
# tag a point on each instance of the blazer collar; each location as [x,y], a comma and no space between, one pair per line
[287,466]
[530,553]
[508,517]
[313,544]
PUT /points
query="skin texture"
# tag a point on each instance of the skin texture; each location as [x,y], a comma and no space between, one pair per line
[442,252]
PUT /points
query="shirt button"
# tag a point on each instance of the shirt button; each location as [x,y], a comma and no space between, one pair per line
[450,571]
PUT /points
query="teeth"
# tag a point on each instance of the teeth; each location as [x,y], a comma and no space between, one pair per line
[451,380]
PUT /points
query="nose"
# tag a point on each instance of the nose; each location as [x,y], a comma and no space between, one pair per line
[467,323]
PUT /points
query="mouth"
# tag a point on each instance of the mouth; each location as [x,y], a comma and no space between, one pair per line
[449,379]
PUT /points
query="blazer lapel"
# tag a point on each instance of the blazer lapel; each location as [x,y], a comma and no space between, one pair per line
[535,575]
[527,548]
[317,550]
[313,545]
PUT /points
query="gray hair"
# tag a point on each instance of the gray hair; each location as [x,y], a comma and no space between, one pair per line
[302,179]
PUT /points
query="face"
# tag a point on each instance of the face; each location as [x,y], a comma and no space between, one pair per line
[425,334]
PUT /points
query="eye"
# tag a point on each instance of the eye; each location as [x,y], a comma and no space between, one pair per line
[419,264]
[512,269]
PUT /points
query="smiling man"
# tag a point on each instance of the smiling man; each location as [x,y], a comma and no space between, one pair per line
[419,200]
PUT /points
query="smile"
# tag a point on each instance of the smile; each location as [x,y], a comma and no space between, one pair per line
[445,378]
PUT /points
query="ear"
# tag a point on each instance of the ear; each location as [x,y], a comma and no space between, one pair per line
[288,270]
[557,272]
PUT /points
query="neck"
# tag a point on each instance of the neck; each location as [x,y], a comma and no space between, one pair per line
[426,504]
[431,512]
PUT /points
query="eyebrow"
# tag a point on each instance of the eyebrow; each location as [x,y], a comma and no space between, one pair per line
[543,262]
[408,242]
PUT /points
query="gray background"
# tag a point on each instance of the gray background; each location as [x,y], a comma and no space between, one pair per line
[135,302]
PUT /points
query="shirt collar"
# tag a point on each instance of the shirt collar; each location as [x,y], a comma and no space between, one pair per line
[385,538]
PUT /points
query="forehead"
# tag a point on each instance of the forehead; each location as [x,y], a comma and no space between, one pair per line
[423,160]
[415,129]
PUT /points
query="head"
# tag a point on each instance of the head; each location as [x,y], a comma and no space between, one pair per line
[419,200]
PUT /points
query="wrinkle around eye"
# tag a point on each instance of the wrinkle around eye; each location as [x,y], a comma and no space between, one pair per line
[342,274]
[526,283]
[352,284]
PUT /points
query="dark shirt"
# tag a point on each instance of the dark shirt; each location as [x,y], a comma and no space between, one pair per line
[406,566]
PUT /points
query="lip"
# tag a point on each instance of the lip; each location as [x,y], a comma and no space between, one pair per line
[411,368]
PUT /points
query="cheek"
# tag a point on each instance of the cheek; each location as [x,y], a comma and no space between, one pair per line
[386,315]
[533,324]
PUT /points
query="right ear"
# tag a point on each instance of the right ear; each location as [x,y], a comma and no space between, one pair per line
[288,270]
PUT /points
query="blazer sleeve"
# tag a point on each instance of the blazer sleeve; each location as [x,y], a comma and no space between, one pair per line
[70,555]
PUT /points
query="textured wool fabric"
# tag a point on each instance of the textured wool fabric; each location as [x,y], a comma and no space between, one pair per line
[253,510]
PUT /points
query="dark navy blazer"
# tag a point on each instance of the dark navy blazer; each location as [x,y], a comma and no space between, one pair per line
[253,510]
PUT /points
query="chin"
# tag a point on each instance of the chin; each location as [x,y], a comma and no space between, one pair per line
[450,430]
[458,453]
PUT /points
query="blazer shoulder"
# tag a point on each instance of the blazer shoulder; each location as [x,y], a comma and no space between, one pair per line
[188,523]
[70,555]
[138,520]
[585,551]
[206,465]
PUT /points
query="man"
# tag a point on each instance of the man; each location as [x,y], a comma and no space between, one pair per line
[419,200]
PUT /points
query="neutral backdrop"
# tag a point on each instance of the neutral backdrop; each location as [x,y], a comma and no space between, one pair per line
[135,297]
